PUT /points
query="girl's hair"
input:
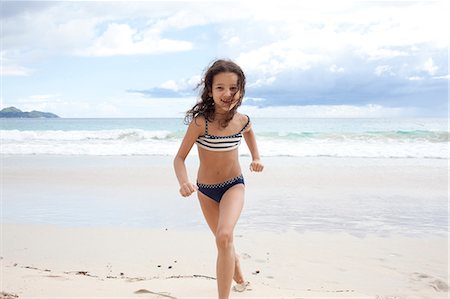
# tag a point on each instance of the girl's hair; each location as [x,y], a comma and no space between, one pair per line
[205,105]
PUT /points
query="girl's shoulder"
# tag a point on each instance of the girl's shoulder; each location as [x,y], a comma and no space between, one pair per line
[244,121]
[242,118]
[199,119]
[198,122]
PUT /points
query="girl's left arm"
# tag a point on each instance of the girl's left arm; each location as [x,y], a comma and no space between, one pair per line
[250,139]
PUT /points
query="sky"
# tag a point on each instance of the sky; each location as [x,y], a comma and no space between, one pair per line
[301,58]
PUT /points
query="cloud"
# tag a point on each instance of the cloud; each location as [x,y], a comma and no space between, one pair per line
[41,98]
[14,8]
[383,69]
[15,70]
[330,111]
[319,86]
[446,77]
[415,78]
[157,92]
[52,103]
[391,54]
[121,39]
[11,68]
[277,57]
[367,31]
[171,89]
[126,105]
[335,69]
[430,67]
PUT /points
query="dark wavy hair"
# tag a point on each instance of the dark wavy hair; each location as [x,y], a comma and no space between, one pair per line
[205,105]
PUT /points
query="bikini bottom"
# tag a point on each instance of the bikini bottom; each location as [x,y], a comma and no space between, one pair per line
[216,191]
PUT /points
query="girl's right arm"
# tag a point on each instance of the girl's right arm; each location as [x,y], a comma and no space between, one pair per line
[194,130]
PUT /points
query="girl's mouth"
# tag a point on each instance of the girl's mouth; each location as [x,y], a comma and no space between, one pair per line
[227,101]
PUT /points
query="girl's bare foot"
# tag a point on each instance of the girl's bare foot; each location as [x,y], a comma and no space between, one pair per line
[241,284]
[238,277]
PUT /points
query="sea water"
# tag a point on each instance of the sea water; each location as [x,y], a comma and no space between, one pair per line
[296,137]
[420,140]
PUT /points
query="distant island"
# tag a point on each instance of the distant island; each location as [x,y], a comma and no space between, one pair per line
[13,112]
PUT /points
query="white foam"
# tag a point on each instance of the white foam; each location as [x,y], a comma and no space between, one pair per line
[142,142]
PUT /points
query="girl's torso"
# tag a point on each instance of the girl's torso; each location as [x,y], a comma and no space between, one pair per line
[218,150]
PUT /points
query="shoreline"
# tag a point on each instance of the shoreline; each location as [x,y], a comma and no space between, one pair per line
[327,193]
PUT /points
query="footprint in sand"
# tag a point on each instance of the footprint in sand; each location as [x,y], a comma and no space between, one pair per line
[436,283]
[439,285]
[245,256]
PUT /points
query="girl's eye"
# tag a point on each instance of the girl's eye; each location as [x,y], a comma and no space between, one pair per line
[219,88]
[233,89]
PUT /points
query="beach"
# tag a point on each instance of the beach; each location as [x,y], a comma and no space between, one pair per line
[115,227]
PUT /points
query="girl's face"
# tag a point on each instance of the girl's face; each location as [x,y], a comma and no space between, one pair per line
[225,91]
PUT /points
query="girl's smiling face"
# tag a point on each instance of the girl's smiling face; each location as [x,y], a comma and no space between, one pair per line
[225,91]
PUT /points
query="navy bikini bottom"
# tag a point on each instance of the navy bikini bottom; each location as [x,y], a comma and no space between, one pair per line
[216,191]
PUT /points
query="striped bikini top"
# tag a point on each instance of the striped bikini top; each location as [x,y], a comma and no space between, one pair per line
[220,143]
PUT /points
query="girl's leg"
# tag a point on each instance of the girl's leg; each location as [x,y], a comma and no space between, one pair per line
[229,211]
[210,210]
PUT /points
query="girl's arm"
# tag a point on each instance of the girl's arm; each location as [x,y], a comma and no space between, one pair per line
[194,130]
[250,139]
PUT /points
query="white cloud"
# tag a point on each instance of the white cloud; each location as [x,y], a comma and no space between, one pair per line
[171,85]
[330,111]
[121,39]
[276,57]
[254,99]
[446,77]
[304,32]
[378,53]
[108,109]
[125,105]
[15,70]
[335,69]
[42,97]
[383,69]
[138,106]
[11,68]
[430,67]
[179,20]
[187,84]
[54,104]
[314,34]
[270,39]
[262,82]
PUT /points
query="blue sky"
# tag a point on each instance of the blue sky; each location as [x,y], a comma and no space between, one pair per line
[144,59]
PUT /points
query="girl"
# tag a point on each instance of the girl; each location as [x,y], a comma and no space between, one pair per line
[217,129]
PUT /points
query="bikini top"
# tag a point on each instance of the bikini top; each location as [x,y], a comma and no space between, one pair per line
[220,143]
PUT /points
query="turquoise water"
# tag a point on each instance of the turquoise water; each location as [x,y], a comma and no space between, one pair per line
[425,140]
[387,138]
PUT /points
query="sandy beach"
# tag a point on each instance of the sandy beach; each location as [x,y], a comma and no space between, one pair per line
[115,227]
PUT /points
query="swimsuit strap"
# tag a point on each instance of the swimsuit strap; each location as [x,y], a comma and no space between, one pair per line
[248,121]
[206,125]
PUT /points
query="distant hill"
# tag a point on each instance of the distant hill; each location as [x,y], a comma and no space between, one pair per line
[13,112]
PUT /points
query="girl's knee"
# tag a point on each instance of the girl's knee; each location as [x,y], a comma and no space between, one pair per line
[224,239]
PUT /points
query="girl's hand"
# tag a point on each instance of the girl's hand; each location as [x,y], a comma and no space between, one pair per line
[187,189]
[256,166]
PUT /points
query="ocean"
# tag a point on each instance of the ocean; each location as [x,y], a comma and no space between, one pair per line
[296,137]
[70,172]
